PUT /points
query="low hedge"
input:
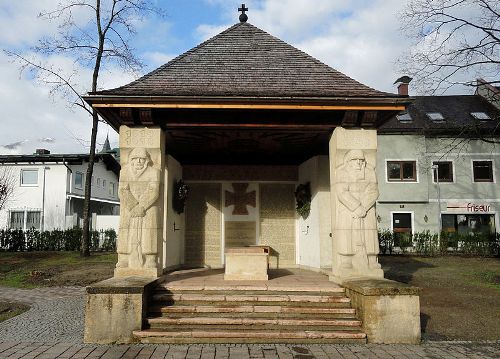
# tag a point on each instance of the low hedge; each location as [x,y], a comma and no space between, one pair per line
[14,240]
[431,244]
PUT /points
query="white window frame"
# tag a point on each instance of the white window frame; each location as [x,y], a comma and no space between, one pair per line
[452,168]
[83,180]
[28,184]
[483,160]
[417,180]
[412,213]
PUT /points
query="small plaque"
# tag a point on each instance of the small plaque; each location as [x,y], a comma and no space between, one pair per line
[240,233]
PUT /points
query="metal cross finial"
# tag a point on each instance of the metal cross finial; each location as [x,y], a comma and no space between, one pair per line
[243,16]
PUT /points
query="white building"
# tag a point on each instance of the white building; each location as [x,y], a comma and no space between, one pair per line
[49,190]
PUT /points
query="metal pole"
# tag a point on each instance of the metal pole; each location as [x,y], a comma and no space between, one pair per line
[440,224]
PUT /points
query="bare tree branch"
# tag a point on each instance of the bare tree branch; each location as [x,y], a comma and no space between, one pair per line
[7,185]
[453,40]
[100,41]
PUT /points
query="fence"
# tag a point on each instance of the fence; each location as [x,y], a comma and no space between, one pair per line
[431,244]
[14,240]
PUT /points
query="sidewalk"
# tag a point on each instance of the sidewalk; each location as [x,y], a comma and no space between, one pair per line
[53,328]
[237,351]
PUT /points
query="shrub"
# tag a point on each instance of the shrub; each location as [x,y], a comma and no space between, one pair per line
[14,240]
[430,244]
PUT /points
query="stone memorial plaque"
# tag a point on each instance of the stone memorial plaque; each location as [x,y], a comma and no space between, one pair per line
[240,233]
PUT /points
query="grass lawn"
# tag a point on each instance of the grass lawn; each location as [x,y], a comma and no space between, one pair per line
[36,269]
[460,298]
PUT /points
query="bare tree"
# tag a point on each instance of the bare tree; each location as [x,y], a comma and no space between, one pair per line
[7,185]
[95,34]
[454,42]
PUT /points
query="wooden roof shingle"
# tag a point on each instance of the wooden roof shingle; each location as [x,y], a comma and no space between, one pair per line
[245,61]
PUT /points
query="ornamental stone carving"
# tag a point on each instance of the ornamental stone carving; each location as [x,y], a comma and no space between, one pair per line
[354,193]
[139,191]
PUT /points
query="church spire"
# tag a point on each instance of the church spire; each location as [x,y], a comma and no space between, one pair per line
[106,146]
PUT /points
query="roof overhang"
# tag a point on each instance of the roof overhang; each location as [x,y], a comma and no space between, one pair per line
[152,110]
[250,130]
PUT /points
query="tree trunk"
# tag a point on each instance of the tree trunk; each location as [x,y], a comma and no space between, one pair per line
[86,238]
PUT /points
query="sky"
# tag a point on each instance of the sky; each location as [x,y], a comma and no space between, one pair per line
[360,38]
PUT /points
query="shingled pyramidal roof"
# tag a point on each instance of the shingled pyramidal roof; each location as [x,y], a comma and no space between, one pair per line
[245,61]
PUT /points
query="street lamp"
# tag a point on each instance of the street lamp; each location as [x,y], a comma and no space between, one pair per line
[435,167]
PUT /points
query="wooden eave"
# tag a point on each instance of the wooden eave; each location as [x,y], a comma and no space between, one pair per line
[152,110]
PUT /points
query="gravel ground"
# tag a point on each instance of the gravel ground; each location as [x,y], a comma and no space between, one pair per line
[57,320]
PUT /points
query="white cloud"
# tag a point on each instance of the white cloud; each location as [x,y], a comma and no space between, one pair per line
[156,59]
[205,32]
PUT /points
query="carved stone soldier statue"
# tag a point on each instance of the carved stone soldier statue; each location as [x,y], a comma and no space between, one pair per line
[139,191]
[355,237]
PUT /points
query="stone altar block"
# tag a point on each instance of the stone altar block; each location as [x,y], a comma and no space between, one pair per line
[247,263]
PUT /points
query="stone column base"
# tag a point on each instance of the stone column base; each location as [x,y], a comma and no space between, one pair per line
[389,310]
[137,272]
[115,307]
[340,276]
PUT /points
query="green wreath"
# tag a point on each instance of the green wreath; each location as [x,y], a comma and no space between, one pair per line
[303,199]
[180,195]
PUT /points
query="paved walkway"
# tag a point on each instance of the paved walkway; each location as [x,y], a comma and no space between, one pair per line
[238,351]
[53,328]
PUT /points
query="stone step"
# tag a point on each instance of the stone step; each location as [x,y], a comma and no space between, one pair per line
[250,289]
[238,298]
[253,323]
[252,311]
[244,336]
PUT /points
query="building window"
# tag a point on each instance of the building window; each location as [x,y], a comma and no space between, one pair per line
[468,223]
[404,117]
[98,182]
[481,116]
[29,177]
[402,171]
[33,219]
[17,219]
[103,183]
[482,171]
[111,189]
[78,180]
[402,228]
[435,116]
[444,171]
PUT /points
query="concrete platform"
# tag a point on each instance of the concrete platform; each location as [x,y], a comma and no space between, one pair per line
[279,280]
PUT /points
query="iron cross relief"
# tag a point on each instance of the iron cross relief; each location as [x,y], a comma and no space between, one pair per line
[240,198]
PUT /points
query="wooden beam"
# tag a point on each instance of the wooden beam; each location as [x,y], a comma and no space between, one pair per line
[350,119]
[250,126]
[253,106]
[145,116]
[369,119]
[126,116]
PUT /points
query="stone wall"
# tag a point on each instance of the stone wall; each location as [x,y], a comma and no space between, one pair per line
[277,222]
[203,225]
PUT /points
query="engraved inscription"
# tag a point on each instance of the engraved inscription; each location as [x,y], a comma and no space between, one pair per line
[240,233]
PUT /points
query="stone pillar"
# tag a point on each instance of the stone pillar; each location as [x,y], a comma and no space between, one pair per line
[142,152]
[354,190]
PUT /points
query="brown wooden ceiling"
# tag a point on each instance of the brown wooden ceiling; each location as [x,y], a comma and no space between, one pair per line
[253,136]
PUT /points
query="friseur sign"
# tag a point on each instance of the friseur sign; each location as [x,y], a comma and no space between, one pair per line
[470,207]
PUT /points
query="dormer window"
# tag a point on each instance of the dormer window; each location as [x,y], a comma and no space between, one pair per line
[481,116]
[404,117]
[435,116]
